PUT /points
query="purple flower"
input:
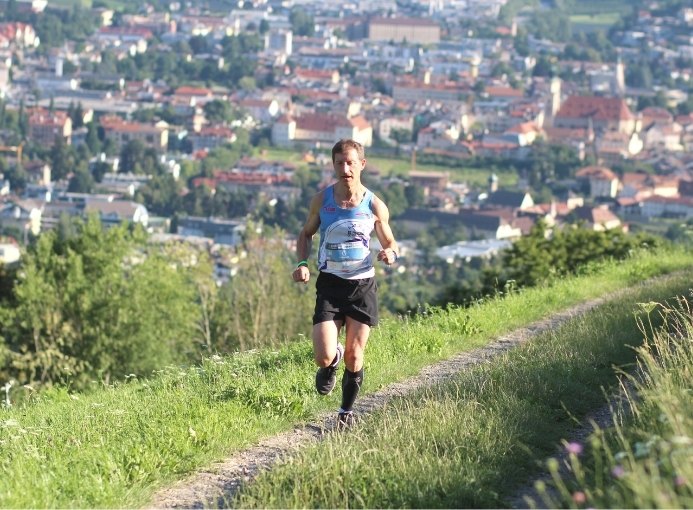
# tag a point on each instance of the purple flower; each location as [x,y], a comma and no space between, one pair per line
[618,471]
[574,448]
[679,481]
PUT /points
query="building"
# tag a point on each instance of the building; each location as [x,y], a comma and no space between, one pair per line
[599,113]
[316,128]
[114,212]
[601,180]
[400,29]
[222,231]
[45,127]
[122,132]
[209,137]
[596,218]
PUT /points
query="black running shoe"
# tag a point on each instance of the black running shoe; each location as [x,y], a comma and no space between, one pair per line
[326,377]
[345,420]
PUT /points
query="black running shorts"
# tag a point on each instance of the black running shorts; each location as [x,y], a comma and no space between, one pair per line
[338,298]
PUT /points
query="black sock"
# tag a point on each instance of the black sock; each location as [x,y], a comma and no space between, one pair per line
[351,384]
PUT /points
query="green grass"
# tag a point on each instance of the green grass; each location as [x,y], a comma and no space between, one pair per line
[115,445]
[470,442]
[644,459]
[597,21]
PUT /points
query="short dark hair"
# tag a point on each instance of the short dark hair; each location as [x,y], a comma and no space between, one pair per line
[344,145]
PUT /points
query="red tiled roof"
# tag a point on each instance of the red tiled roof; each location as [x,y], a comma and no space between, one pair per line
[192,91]
[503,92]
[321,122]
[596,172]
[599,108]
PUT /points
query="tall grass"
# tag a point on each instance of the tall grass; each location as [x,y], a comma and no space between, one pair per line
[469,443]
[645,460]
[115,445]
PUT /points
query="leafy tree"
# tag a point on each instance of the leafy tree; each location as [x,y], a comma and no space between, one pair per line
[100,304]
[62,158]
[92,139]
[137,158]
[248,315]
[199,44]
[219,111]
[302,23]
[81,181]
[401,135]
[161,195]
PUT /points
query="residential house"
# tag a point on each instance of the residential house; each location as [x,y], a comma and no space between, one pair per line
[612,146]
[192,96]
[429,181]
[412,90]
[393,123]
[641,185]
[526,133]
[121,131]
[134,39]
[125,184]
[222,231]
[9,251]
[114,212]
[477,224]
[514,200]
[468,250]
[24,215]
[667,136]
[318,128]
[38,172]
[602,181]
[262,110]
[209,137]
[669,207]
[401,29]
[17,34]
[439,135]
[597,218]
[45,127]
[326,78]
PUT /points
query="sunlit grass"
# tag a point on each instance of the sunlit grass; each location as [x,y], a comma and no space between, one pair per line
[645,460]
[113,446]
[470,442]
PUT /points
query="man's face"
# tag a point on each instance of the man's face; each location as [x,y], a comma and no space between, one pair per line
[348,166]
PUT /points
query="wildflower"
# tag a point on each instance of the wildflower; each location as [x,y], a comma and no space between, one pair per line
[579,497]
[679,481]
[574,448]
[618,471]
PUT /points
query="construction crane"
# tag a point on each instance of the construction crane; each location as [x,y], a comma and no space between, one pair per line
[17,149]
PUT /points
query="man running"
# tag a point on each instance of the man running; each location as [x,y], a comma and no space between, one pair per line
[346,213]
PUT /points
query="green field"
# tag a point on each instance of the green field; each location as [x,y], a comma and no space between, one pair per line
[464,445]
[594,22]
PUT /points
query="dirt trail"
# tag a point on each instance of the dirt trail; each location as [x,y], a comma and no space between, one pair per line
[214,486]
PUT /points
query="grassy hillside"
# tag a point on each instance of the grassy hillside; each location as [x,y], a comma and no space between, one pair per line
[470,442]
[114,446]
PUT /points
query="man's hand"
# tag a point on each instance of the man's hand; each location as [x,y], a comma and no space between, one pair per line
[301,274]
[387,255]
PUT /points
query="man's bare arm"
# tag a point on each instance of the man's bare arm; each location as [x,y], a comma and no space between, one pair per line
[305,238]
[390,250]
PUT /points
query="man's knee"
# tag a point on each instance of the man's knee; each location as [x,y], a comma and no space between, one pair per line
[322,359]
[353,359]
